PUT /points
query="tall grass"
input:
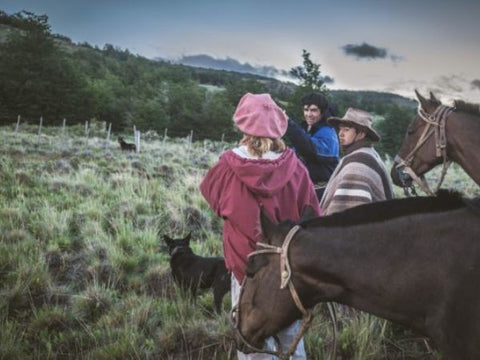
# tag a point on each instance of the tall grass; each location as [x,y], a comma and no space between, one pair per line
[84,275]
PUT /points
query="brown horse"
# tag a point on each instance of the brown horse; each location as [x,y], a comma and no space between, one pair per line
[438,134]
[415,261]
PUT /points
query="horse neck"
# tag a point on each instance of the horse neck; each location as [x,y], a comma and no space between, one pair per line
[462,131]
[343,265]
[396,276]
[328,266]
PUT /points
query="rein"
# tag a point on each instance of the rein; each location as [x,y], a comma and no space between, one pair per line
[285,280]
[435,126]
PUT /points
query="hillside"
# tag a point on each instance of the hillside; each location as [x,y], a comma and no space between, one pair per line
[47,75]
[84,273]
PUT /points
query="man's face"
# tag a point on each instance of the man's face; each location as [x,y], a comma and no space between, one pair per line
[312,114]
[347,135]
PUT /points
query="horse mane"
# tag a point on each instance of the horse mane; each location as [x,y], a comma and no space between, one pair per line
[384,210]
[467,107]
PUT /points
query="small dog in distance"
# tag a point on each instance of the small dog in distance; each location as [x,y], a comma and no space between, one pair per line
[125,146]
[192,272]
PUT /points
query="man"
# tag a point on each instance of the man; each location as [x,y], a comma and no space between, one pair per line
[315,142]
[360,177]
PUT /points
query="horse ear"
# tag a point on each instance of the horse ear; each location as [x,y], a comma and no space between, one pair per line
[423,102]
[433,99]
[268,226]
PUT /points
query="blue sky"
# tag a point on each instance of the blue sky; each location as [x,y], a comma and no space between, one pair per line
[386,45]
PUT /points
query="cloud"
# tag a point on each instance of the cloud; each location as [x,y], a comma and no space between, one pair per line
[369,52]
[475,84]
[229,64]
[328,79]
[396,58]
[446,88]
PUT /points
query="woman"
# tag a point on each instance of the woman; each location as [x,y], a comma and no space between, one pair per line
[261,172]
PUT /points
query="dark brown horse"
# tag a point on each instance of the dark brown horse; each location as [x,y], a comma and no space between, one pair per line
[439,134]
[415,261]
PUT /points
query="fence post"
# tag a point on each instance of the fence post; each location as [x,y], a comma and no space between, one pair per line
[17,126]
[137,141]
[63,127]
[40,126]
[87,131]
[109,131]
[165,136]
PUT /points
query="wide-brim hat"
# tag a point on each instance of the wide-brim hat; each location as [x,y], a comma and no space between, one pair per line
[258,115]
[356,117]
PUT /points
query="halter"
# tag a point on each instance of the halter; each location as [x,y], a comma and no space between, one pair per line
[435,125]
[285,275]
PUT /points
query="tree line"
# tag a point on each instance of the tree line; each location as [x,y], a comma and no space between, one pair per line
[45,74]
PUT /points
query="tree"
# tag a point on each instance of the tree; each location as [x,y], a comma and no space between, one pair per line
[392,129]
[38,79]
[185,102]
[217,117]
[236,89]
[310,81]
[309,74]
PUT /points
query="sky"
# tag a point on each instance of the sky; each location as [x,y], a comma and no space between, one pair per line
[389,45]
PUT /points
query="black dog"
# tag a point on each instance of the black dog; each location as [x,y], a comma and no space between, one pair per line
[125,146]
[192,272]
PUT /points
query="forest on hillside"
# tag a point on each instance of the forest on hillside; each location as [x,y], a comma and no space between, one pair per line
[47,75]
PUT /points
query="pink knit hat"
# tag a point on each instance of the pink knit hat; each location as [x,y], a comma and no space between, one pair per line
[258,115]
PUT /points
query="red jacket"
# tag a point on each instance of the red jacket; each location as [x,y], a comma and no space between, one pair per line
[235,187]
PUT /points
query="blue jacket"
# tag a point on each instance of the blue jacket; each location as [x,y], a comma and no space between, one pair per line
[318,148]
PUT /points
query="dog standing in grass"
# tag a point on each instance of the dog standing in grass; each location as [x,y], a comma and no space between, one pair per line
[192,272]
[125,146]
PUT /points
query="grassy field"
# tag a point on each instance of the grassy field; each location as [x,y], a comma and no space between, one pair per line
[84,274]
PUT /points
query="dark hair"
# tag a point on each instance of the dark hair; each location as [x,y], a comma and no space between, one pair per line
[315,98]
[357,127]
[332,110]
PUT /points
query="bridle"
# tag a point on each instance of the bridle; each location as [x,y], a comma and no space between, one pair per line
[435,126]
[285,278]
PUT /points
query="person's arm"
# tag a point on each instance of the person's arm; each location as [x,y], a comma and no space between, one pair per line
[323,143]
[212,187]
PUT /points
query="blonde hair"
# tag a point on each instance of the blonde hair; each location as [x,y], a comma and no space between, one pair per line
[258,146]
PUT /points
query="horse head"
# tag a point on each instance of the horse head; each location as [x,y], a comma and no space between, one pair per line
[418,152]
[263,307]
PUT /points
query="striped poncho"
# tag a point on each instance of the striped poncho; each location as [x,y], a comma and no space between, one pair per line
[359,178]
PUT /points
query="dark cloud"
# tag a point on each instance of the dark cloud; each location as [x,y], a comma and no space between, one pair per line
[369,52]
[328,80]
[475,84]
